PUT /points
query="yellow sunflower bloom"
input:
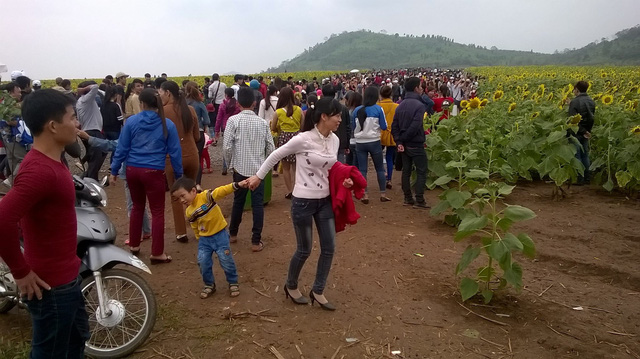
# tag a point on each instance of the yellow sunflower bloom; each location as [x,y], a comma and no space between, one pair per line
[463,112]
[512,107]
[484,102]
[498,95]
[535,114]
[575,119]
[607,99]
[550,96]
[635,131]
[464,104]
[541,90]
[474,103]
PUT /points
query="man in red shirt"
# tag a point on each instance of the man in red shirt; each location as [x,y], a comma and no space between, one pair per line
[42,200]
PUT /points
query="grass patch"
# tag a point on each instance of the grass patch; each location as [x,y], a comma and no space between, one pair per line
[14,349]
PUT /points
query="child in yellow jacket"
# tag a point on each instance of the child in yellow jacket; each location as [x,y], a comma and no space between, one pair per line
[209,226]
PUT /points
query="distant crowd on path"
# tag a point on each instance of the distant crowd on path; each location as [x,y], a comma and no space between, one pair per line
[318,134]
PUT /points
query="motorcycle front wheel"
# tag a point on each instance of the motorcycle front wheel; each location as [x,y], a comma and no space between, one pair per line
[131,308]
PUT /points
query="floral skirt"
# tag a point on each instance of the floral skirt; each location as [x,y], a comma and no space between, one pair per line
[284,138]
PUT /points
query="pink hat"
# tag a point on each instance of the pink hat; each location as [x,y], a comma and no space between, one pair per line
[319,92]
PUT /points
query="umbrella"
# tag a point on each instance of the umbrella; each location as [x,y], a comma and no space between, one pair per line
[354,71]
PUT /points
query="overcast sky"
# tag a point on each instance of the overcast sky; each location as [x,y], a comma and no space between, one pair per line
[84,38]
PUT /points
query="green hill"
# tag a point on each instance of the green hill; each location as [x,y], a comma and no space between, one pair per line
[366,49]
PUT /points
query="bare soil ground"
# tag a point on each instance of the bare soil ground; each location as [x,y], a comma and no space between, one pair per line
[389,299]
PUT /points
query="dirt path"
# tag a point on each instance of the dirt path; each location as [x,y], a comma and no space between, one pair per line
[390,299]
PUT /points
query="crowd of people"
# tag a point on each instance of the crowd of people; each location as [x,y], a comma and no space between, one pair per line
[318,135]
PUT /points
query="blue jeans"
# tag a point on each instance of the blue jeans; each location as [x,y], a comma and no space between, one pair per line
[146,226]
[303,213]
[410,157]
[391,159]
[375,149]
[583,156]
[218,244]
[257,207]
[60,323]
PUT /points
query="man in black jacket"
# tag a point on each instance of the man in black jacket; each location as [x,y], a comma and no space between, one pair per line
[583,105]
[344,130]
[408,133]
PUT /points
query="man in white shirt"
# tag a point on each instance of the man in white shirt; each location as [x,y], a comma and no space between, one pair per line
[238,82]
[247,143]
[216,92]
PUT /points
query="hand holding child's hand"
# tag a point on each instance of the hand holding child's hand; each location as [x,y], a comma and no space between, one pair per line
[253,182]
[244,184]
[348,183]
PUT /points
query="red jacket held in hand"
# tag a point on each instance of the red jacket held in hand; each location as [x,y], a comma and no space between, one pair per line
[344,209]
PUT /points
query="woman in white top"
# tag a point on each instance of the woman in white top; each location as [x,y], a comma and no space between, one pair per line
[268,108]
[316,150]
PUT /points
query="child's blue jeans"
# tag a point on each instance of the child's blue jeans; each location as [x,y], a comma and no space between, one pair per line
[218,243]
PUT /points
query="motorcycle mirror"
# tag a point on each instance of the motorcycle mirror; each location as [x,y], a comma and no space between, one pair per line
[105,181]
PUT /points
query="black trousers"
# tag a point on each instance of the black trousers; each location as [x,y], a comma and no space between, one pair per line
[94,156]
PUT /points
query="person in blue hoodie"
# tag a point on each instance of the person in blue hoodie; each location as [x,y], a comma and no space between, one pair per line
[145,141]
[367,121]
[105,145]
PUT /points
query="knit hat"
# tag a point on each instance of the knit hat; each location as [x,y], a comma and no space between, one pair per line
[254,84]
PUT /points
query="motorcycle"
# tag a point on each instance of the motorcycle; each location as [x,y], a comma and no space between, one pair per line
[120,304]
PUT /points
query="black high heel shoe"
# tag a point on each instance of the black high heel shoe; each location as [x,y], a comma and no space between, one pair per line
[301,300]
[325,306]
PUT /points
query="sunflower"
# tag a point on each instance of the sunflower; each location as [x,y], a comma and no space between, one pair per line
[525,94]
[607,99]
[484,102]
[535,114]
[512,107]
[541,90]
[474,103]
[575,119]
[464,104]
[550,96]
[603,75]
[497,95]
[631,105]
[635,131]
[463,112]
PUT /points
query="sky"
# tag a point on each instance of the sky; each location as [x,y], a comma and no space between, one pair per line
[90,39]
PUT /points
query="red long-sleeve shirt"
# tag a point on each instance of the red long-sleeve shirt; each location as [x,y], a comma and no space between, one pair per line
[42,200]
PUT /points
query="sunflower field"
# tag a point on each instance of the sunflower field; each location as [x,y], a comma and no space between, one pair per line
[515,130]
[517,127]
[227,79]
